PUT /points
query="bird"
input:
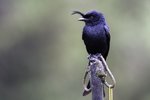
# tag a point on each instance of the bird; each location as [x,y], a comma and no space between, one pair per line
[95,34]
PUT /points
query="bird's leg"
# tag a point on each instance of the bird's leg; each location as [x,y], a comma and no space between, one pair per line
[89,56]
[88,67]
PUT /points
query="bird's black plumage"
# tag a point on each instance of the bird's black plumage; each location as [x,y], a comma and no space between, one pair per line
[95,35]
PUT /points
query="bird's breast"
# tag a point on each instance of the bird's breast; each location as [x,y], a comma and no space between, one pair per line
[95,33]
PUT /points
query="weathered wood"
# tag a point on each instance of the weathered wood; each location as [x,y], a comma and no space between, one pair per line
[96,83]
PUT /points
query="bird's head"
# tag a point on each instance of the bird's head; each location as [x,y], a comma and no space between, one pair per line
[91,18]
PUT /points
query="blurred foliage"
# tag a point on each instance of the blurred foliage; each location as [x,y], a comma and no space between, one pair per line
[42,56]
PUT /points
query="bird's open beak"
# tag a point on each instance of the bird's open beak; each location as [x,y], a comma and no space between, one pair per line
[82,19]
[78,12]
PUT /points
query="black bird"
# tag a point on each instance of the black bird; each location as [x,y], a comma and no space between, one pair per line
[95,35]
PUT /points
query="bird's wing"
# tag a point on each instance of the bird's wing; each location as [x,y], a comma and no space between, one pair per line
[107,32]
[106,28]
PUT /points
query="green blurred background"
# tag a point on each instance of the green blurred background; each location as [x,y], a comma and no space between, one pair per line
[42,55]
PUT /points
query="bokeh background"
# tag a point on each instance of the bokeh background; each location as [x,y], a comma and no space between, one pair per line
[42,55]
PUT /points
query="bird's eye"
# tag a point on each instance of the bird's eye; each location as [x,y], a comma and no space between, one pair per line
[91,17]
